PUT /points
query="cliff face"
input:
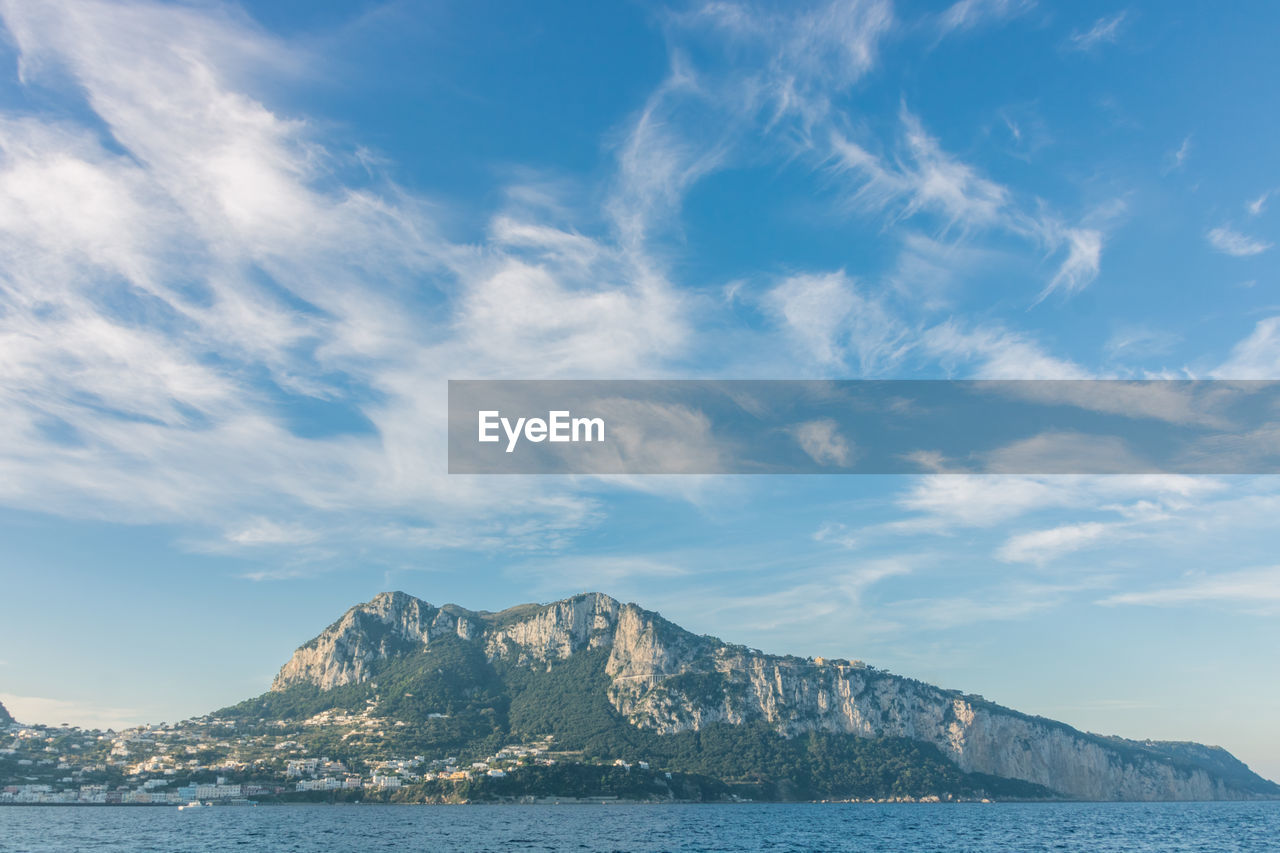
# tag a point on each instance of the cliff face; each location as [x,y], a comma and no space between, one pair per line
[663,678]
[348,651]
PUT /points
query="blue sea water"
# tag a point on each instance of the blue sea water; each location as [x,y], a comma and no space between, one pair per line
[1091,827]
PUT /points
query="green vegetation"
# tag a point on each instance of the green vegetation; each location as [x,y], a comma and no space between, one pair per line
[451,700]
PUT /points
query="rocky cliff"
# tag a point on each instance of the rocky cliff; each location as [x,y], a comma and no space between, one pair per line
[393,623]
[667,680]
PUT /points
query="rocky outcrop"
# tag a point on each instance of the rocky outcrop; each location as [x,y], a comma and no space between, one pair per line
[556,631]
[666,679]
[348,651]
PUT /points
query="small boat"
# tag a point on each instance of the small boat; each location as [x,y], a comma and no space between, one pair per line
[194,804]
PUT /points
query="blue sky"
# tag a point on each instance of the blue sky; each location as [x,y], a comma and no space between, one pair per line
[242,248]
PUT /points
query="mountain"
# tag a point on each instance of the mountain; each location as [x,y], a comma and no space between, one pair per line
[5,717]
[616,681]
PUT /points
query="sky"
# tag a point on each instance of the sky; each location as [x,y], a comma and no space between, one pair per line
[244,247]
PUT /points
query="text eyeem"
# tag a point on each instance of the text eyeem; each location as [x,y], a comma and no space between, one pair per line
[558,426]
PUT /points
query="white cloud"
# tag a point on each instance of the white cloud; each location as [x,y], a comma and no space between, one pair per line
[618,576]
[1081,266]
[837,593]
[1255,357]
[1064,452]
[783,67]
[1071,513]
[657,164]
[785,71]
[1138,341]
[659,437]
[822,442]
[1178,157]
[1232,242]
[993,352]
[1104,31]
[1258,205]
[970,14]
[1176,403]
[924,178]
[946,501]
[790,61]
[836,533]
[927,269]
[1011,602]
[1250,589]
[831,319]
[1042,546]
[979,500]
[264,531]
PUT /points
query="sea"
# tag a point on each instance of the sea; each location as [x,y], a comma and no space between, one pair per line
[1091,827]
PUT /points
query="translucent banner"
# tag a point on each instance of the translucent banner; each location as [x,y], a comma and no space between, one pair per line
[863,427]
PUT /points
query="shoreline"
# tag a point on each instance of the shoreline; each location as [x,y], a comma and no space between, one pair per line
[568,801]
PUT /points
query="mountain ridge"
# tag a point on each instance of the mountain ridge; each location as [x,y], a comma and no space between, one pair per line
[651,677]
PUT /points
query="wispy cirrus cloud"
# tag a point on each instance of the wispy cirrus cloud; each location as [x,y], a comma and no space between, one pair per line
[786,62]
[775,86]
[1011,602]
[822,441]
[835,533]
[925,178]
[971,14]
[1105,30]
[1255,357]
[1082,264]
[836,322]
[1227,240]
[1177,158]
[922,178]
[992,351]
[1259,204]
[1251,590]
[827,592]
[945,502]
[1041,546]
[1140,340]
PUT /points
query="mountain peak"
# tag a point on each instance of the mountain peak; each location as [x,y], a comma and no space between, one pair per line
[395,623]
[390,624]
[395,597]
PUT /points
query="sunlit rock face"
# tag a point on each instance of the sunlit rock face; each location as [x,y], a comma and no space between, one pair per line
[392,623]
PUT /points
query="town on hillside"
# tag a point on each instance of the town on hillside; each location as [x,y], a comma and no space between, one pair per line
[207,760]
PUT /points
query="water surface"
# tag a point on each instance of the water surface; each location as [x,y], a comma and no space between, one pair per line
[1092,827]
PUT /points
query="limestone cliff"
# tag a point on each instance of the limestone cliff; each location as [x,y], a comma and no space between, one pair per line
[393,623]
[665,679]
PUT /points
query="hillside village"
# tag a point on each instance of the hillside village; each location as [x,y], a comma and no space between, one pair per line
[207,760]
